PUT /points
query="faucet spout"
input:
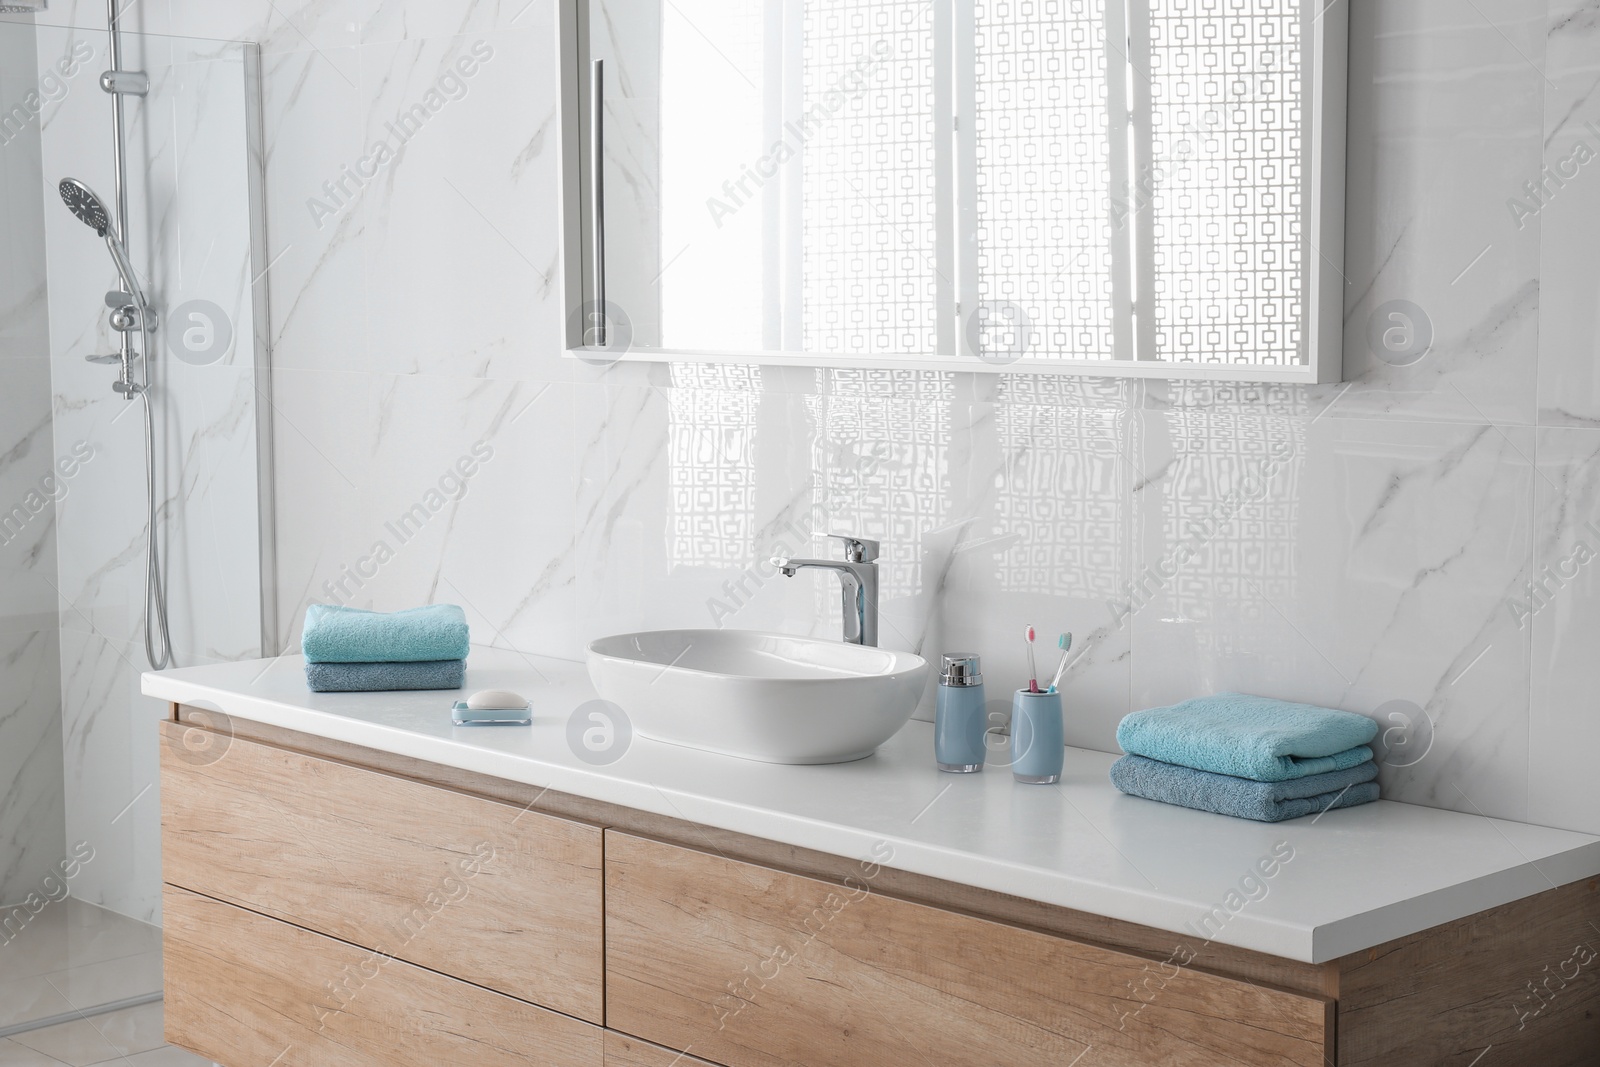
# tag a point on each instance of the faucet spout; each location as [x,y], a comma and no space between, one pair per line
[858,587]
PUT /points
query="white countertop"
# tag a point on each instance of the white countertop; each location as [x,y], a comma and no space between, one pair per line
[1358,877]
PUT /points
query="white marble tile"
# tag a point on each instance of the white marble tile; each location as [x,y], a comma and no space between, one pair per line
[23,326]
[1445,124]
[1562,612]
[393,20]
[32,808]
[279,25]
[497,540]
[621,512]
[111,773]
[313,132]
[1349,563]
[1564,206]
[1040,488]
[463,216]
[30,485]
[99,1038]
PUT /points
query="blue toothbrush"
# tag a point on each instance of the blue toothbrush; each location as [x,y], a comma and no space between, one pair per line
[1064,642]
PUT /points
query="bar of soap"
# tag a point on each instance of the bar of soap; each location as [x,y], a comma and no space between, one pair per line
[496,700]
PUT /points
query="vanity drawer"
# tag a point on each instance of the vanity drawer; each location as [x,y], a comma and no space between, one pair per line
[488,892]
[754,967]
[248,990]
[625,1051]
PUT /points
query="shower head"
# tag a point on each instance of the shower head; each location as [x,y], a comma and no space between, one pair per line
[90,211]
[82,202]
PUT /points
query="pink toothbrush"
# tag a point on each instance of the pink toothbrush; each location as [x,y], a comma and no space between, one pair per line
[1033,670]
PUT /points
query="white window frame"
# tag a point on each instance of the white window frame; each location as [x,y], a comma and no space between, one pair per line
[1325,28]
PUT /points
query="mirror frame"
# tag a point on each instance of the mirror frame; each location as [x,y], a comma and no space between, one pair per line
[1324,325]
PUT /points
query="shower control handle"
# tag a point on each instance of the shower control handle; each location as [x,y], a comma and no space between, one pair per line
[112,358]
[130,318]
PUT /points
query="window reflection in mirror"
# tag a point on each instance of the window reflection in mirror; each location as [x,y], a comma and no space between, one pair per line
[1076,182]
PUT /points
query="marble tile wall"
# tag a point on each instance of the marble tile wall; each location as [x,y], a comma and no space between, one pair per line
[1412,543]
[31,800]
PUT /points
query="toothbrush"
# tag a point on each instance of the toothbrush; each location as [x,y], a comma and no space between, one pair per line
[1064,642]
[1033,670]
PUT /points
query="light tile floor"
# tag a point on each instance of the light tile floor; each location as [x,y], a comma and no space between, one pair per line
[87,1043]
[73,956]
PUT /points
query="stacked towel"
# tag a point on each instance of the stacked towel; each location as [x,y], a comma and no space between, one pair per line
[348,650]
[378,677]
[1241,797]
[1247,756]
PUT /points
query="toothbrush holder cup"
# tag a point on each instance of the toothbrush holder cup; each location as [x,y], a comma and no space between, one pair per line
[1037,740]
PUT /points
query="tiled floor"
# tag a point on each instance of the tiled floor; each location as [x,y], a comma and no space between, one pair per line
[72,957]
[131,1036]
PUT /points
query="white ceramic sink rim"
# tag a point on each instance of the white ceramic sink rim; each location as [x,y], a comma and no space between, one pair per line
[779,698]
[746,653]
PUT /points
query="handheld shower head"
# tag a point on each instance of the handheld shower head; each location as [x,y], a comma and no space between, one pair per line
[82,202]
[91,211]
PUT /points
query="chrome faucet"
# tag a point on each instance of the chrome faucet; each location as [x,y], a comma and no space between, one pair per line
[858,581]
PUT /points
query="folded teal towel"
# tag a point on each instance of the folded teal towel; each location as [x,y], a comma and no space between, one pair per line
[1249,737]
[1242,798]
[380,677]
[350,635]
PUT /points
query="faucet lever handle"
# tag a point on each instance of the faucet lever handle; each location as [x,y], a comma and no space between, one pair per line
[858,549]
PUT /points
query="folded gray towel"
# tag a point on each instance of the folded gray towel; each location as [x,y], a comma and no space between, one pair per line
[1243,798]
[379,677]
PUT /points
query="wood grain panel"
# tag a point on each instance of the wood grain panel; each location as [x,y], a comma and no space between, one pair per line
[625,1051]
[475,888]
[1314,979]
[1515,985]
[249,991]
[753,967]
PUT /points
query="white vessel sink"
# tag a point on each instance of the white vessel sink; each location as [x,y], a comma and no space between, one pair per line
[761,696]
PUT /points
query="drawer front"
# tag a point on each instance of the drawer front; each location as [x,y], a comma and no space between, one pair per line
[753,967]
[625,1051]
[488,892]
[246,990]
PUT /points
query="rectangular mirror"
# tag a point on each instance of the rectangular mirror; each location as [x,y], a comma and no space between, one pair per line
[1126,187]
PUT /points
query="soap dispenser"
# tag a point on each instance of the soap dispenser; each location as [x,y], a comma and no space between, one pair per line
[959,717]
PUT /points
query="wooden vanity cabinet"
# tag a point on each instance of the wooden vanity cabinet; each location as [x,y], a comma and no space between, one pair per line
[246,990]
[332,905]
[755,967]
[490,892]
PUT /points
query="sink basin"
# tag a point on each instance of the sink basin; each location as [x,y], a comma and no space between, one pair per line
[761,696]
